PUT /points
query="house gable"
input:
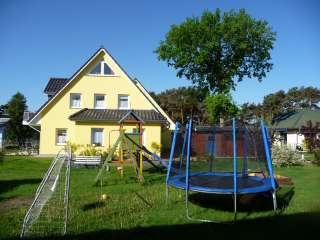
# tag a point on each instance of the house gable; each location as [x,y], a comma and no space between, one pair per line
[87,84]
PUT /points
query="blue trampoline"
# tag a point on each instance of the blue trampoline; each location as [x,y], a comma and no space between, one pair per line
[207,182]
[233,159]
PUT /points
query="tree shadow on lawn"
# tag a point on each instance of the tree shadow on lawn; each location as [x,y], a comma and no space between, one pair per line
[128,180]
[9,185]
[293,226]
[245,203]
[151,169]
[94,205]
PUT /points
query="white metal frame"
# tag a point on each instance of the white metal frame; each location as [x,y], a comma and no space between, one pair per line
[68,157]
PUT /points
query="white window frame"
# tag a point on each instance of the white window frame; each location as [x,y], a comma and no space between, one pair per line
[56,136]
[102,62]
[70,103]
[129,102]
[92,131]
[95,101]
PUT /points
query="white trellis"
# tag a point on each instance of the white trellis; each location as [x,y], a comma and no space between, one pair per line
[48,213]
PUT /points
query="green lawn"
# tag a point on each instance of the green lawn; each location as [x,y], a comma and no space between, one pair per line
[139,211]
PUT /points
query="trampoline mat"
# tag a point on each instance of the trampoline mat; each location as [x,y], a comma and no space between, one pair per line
[222,182]
[225,182]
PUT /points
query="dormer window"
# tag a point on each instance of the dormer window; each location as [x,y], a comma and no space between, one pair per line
[101,69]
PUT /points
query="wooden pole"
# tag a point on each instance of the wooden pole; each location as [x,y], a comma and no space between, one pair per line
[120,147]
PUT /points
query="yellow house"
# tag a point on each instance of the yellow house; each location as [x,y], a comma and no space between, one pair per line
[88,107]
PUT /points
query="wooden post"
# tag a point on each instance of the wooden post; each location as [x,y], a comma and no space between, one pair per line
[140,144]
[120,147]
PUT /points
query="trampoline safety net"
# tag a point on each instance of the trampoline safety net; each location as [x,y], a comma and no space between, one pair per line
[216,152]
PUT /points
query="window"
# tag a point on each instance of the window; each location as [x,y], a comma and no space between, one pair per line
[101,69]
[61,136]
[96,70]
[123,102]
[106,70]
[97,136]
[99,101]
[75,100]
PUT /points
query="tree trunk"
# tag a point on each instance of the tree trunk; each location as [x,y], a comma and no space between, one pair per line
[221,122]
[181,113]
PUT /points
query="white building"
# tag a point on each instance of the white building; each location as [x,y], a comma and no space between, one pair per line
[3,121]
[289,126]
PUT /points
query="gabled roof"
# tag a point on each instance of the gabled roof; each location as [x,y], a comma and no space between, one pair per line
[116,115]
[54,85]
[134,82]
[296,119]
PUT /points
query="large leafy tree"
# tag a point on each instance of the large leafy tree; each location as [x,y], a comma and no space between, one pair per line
[181,103]
[303,97]
[279,102]
[273,104]
[251,110]
[17,132]
[220,107]
[215,51]
[310,132]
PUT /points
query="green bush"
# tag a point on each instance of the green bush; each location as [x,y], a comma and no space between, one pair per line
[12,147]
[166,140]
[105,154]
[1,156]
[90,150]
[73,146]
[156,147]
[316,156]
[285,156]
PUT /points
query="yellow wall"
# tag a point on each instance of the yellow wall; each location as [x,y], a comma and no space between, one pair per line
[58,111]
[111,131]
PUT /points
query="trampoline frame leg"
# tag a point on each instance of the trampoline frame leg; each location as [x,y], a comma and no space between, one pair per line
[274,200]
[235,206]
[191,218]
[167,194]
[198,219]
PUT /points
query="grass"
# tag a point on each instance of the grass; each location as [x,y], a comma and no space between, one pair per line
[139,211]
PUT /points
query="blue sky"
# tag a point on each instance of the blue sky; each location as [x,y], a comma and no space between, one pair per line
[43,39]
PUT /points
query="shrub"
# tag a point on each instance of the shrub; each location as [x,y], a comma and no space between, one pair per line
[155,147]
[166,141]
[285,156]
[12,147]
[90,150]
[1,156]
[105,154]
[316,156]
[73,146]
